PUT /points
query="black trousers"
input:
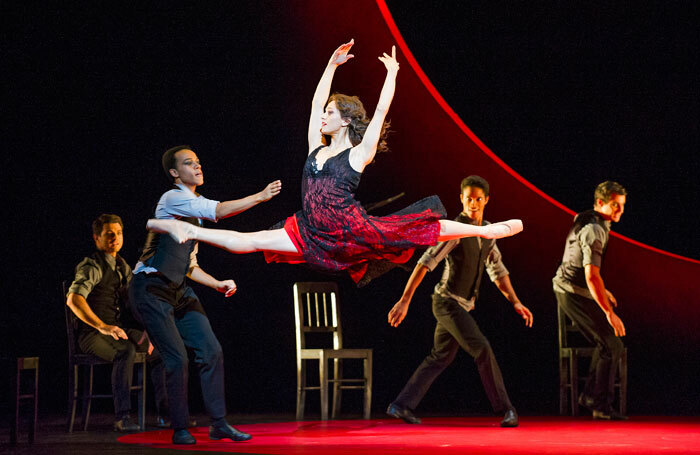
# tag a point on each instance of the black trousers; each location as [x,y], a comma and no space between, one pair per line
[121,353]
[456,328]
[153,302]
[608,347]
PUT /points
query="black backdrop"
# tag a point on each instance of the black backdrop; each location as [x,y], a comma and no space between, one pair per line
[566,96]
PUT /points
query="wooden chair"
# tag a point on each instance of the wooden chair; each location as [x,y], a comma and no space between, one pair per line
[568,368]
[76,359]
[24,365]
[317,310]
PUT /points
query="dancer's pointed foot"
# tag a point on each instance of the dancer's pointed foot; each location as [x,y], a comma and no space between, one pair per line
[178,230]
[503,229]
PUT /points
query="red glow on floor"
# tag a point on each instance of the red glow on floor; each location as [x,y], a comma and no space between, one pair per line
[536,435]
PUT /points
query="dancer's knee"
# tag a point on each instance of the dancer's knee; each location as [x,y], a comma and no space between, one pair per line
[441,358]
[212,354]
[125,351]
[615,346]
[480,350]
[175,363]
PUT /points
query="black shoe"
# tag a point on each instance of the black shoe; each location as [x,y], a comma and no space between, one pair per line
[227,431]
[609,414]
[162,423]
[125,425]
[510,419]
[183,437]
[405,414]
[587,402]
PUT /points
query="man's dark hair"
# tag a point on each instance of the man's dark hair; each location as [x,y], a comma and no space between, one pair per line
[170,162]
[605,190]
[103,219]
[475,180]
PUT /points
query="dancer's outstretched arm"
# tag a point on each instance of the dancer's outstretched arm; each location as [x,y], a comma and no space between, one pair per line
[363,154]
[234,207]
[398,312]
[323,91]
[506,287]
[227,287]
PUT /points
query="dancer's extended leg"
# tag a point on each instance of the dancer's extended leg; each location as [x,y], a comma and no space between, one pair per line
[235,242]
[450,230]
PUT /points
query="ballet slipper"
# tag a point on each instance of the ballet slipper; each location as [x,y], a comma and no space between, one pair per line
[504,229]
[178,230]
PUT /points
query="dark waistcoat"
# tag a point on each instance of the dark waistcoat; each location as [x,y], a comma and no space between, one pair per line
[571,265]
[105,297]
[466,265]
[167,256]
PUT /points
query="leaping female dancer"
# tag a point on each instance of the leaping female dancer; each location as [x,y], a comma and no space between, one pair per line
[333,232]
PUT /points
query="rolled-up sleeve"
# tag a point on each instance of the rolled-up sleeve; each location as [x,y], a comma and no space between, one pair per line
[184,203]
[87,275]
[433,255]
[591,239]
[494,264]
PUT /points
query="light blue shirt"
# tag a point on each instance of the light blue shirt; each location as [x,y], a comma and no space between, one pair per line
[178,203]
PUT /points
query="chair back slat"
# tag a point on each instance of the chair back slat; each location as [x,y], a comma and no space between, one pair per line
[71,322]
[316,310]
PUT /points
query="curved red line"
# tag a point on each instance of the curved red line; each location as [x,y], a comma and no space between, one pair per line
[465,129]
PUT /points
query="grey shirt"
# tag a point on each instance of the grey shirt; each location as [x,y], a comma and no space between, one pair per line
[88,273]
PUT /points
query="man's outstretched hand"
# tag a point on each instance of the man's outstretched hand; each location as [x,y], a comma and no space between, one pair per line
[271,190]
[227,287]
[398,313]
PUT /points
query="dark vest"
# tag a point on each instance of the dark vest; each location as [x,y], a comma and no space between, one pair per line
[167,256]
[105,299]
[571,268]
[466,264]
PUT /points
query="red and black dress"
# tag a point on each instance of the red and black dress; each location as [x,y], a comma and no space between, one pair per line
[333,232]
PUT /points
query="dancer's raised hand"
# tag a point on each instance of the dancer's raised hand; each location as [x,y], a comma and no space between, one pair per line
[341,55]
[390,60]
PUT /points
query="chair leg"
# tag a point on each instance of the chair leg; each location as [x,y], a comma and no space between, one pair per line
[573,374]
[141,379]
[14,426]
[367,363]
[72,396]
[87,400]
[32,429]
[301,388]
[323,378]
[562,385]
[623,382]
[337,391]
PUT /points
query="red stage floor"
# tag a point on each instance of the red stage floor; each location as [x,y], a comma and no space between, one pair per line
[478,435]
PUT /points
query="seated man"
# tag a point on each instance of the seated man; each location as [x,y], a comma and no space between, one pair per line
[583,296]
[95,297]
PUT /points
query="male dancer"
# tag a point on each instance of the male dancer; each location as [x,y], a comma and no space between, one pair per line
[581,294]
[95,297]
[453,298]
[169,308]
